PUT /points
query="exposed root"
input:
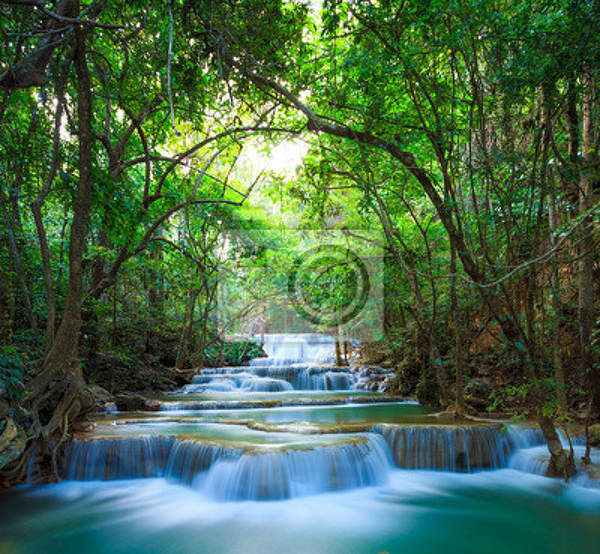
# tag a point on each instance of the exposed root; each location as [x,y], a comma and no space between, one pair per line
[47,418]
[561,464]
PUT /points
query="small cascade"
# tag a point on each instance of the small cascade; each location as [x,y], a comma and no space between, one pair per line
[534,457]
[291,348]
[456,448]
[265,384]
[230,381]
[301,361]
[272,379]
[292,473]
[127,458]
[374,379]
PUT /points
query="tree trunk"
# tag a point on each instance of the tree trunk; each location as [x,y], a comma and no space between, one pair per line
[562,464]
[65,345]
[557,316]
[559,373]
[57,394]
[459,358]
[48,280]
[587,247]
[338,347]
[16,256]
[186,332]
[6,301]
[62,363]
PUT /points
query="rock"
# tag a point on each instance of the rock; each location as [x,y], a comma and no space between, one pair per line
[477,393]
[12,441]
[595,434]
[135,403]
[82,427]
[101,397]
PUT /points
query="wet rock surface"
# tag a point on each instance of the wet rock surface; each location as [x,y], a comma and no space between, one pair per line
[12,441]
[135,403]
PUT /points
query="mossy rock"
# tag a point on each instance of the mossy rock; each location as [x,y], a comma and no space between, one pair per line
[135,403]
[12,441]
[595,435]
[100,395]
[477,393]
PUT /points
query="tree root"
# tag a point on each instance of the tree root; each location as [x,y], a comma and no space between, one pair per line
[561,464]
[50,412]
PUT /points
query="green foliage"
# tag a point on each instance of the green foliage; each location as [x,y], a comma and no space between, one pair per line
[484,100]
[536,396]
[12,373]
[232,353]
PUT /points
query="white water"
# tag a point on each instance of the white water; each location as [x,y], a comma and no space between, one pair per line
[301,362]
[285,465]
[412,512]
[248,477]
[232,474]
[286,349]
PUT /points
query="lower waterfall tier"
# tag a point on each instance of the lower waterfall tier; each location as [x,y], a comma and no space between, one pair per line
[456,448]
[287,469]
[227,473]
[273,476]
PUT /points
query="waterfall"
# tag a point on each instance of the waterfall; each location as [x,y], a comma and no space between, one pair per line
[286,349]
[455,448]
[533,457]
[301,361]
[236,465]
[291,473]
[359,460]
[127,458]
[233,474]
[278,472]
[272,379]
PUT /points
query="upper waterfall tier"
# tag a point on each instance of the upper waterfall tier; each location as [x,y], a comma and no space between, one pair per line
[291,348]
[300,362]
[277,378]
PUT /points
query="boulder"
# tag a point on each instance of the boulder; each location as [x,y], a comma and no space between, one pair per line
[100,395]
[595,434]
[135,403]
[12,441]
[477,393]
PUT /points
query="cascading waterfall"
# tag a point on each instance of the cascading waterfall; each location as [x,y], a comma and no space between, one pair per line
[126,458]
[229,473]
[234,466]
[294,362]
[272,379]
[291,473]
[456,448]
[291,348]
[534,457]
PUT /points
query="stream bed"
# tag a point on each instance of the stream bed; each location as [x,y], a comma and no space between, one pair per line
[227,466]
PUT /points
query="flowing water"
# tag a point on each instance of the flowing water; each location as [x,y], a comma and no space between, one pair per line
[287,454]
